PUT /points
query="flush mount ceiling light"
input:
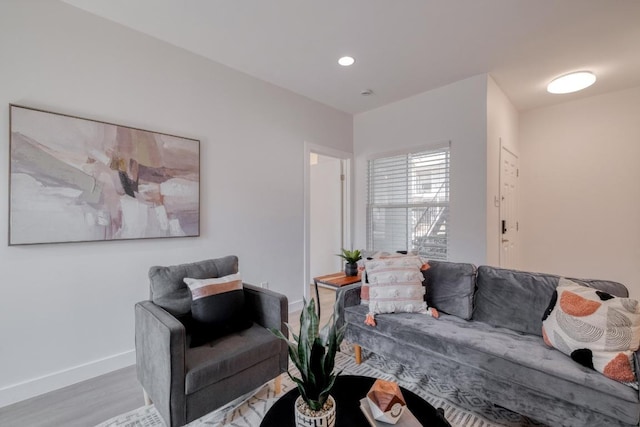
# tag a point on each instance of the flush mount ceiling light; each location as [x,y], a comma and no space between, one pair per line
[572,82]
[345,61]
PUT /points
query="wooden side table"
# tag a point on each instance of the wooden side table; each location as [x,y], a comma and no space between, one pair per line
[335,280]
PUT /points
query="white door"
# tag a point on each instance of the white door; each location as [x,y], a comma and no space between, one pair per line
[509,227]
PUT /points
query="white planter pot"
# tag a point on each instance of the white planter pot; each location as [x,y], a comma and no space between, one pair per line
[326,419]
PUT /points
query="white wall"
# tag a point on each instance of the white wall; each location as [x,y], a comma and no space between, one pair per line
[325,217]
[455,113]
[66,311]
[581,188]
[502,127]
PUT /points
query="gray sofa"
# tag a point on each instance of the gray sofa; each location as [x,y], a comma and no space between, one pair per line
[488,340]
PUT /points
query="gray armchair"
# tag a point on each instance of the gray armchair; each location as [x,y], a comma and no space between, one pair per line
[186,383]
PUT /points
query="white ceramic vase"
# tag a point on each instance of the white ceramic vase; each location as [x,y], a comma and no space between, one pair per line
[326,419]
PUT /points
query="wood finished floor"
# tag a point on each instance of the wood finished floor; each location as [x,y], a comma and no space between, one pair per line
[91,402]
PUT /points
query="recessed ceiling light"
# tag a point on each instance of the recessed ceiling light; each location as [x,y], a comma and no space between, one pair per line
[572,82]
[345,61]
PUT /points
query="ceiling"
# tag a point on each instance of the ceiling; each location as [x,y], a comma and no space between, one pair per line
[401,47]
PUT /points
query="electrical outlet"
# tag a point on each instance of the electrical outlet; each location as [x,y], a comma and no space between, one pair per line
[264,285]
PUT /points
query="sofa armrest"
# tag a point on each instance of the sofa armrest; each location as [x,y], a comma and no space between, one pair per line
[268,308]
[271,310]
[160,359]
[347,296]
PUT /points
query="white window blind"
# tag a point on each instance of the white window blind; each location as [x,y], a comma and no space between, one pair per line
[408,203]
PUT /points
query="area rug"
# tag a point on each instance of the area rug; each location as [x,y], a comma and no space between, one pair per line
[461,408]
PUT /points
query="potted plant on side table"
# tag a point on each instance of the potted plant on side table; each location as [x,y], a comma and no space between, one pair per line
[313,353]
[351,258]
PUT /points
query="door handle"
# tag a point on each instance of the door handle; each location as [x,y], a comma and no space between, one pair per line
[505,240]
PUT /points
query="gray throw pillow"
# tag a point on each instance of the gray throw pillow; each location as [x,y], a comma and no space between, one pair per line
[450,287]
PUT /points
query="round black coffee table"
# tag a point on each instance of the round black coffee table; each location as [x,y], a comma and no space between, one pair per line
[347,392]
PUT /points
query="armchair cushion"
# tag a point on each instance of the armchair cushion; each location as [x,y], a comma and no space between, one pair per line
[217,308]
[228,355]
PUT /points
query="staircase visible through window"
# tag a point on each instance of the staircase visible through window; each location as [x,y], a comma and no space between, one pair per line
[408,203]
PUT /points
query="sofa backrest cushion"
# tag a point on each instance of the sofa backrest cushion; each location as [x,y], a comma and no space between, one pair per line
[517,300]
[613,288]
[168,289]
[513,299]
[450,287]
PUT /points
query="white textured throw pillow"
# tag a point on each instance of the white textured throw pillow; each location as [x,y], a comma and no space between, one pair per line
[395,285]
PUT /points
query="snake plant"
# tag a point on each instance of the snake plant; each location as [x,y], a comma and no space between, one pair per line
[313,352]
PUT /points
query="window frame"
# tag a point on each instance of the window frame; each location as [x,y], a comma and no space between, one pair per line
[439,207]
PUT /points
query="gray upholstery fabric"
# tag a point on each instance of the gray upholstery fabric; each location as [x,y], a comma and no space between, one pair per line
[519,358]
[168,289]
[160,360]
[228,355]
[450,287]
[270,310]
[216,394]
[506,364]
[613,288]
[513,299]
[517,300]
[510,368]
[346,296]
[184,383]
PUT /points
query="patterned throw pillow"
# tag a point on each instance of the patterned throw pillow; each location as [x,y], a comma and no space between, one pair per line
[395,285]
[364,287]
[598,330]
[217,307]
[370,255]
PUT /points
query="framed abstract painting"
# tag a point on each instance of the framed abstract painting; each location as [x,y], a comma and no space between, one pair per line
[80,180]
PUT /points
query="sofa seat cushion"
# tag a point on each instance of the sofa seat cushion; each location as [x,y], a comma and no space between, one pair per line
[519,358]
[228,355]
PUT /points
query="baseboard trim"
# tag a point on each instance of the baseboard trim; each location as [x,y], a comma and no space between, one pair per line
[34,387]
[296,306]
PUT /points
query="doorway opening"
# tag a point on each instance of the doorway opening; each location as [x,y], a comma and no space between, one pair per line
[327,211]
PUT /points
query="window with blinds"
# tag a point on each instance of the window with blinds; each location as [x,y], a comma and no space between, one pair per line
[408,203]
